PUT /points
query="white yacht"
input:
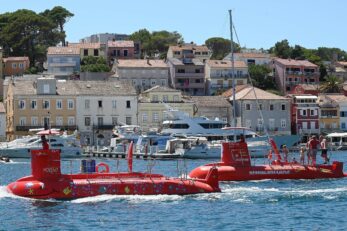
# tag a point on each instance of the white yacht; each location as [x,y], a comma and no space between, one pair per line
[20,148]
[337,141]
[216,130]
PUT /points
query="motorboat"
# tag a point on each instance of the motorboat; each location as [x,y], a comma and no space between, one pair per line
[235,165]
[47,181]
[337,141]
[21,147]
[181,124]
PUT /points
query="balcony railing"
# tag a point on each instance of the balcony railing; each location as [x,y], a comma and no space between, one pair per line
[104,127]
[193,74]
[63,127]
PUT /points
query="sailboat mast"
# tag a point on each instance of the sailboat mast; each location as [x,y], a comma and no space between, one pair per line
[232,68]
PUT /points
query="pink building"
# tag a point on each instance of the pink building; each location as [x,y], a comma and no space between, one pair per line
[290,72]
[120,50]
[305,116]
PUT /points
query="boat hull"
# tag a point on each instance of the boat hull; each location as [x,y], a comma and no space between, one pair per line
[276,171]
[86,185]
[71,152]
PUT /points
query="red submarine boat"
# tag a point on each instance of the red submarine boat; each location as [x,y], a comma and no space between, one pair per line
[236,165]
[47,181]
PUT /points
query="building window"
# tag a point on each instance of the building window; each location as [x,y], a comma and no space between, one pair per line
[85,52]
[21,65]
[144,117]
[70,104]
[114,103]
[283,107]
[181,71]
[165,98]
[343,125]
[128,120]
[128,104]
[22,121]
[271,107]
[271,124]
[125,52]
[34,121]
[100,121]
[260,107]
[45,88]
[59,121]
[96,52]
[155,98]
[86,104]
[87,121]
[14,65]
[283,123]
[45,104]
[59,104]
[165,115]
[248,123]
[114,120]
[100,103]
[303,112]
[177,52]
[248,107]
[21,104]
[33,104]
[155,117]
[71,121]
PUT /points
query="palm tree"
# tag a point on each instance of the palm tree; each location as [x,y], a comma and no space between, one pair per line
[332,84]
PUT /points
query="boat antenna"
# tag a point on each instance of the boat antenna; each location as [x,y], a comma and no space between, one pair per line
[250,81]
[232,68]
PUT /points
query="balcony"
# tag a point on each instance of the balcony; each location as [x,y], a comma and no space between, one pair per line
[189,85]
[27,128]
[187,75]
[103,127]
[228,76]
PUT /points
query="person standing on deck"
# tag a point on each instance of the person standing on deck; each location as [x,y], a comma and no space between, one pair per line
[313,146]
[285,153]
[309,159]
[323,145]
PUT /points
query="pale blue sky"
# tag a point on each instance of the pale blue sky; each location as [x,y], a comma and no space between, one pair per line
[259,24]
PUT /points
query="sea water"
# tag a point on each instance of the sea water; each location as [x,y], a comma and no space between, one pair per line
[253,205]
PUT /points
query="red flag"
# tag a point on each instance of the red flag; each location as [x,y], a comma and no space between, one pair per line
[130,157]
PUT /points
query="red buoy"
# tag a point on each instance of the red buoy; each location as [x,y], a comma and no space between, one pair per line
[235,165]
[47,181]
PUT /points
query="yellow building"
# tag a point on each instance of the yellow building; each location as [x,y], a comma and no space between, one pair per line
[90,49]
[153,103]
[329,118]
[45,102]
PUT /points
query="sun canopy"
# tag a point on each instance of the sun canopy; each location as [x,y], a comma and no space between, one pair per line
[48,132]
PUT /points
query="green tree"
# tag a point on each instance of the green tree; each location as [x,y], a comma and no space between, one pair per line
[298,52]
[59,16]
[332,84]
[144,37]
[282,49]
[220,47]
[94,64]
[24,32]
[260,77]
[156,42]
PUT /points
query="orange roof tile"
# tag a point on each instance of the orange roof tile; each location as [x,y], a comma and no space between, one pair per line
[85,45]
[143,63]
[248,94]
[24,58]
[293,62]
[252,55]
[63,51]
[189,47]
[121,43]
[226,64]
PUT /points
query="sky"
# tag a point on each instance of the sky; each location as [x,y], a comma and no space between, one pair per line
[258,23]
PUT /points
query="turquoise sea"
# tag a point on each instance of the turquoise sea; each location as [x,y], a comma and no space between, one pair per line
[255,205]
